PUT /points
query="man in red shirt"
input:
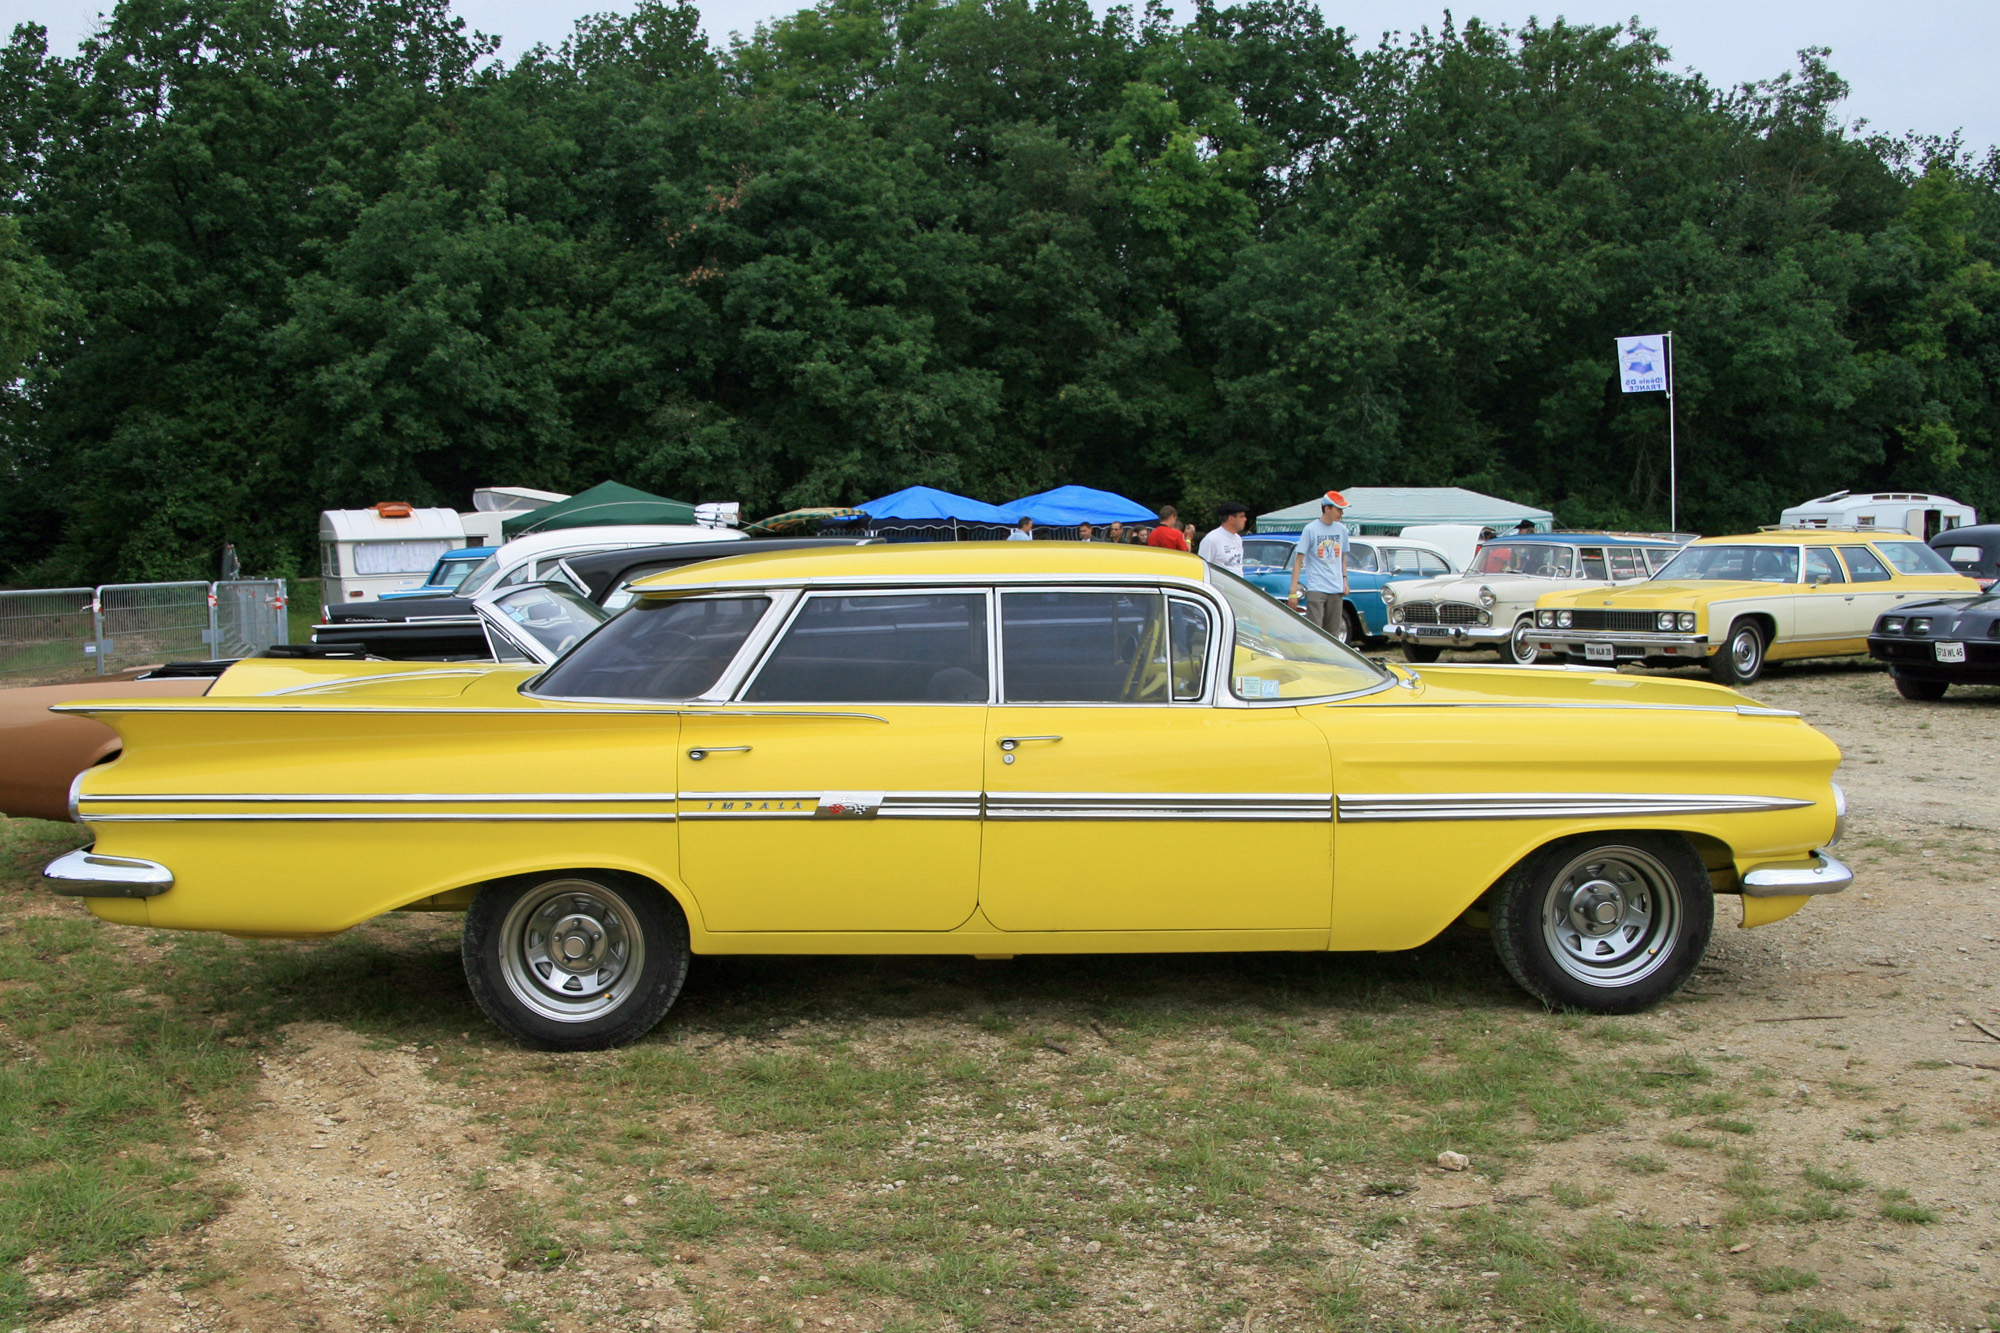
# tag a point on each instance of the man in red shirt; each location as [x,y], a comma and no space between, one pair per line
[1169,532]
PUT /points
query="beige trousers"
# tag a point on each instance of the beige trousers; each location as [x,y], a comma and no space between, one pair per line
[1328,611]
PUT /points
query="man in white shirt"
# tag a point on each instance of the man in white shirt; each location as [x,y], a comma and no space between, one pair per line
[1223,546]
[1024,531]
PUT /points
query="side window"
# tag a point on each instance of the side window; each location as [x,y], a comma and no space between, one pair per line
[1864,566]
[1084,647]
[879,648]
[1431,565]
[1361,557]
[1657,557]
[520,573]
[1821,567]
[1626,563]
[1187,625]
[1593,562]
[658,649]
[329,560]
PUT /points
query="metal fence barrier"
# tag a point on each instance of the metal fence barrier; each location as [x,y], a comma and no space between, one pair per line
[55,631]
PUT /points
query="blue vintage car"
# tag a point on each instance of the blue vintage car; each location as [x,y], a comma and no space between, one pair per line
[446,574]
[1371,563]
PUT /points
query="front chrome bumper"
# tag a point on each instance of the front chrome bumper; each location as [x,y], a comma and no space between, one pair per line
[85,874]
[1818,873]
[1448,636]
[1626,643]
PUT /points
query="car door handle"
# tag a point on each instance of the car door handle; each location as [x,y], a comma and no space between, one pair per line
[1012,743]
[704,752]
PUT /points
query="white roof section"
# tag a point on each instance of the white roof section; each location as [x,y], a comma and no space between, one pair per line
[368,525]
[512,499]
[611,537]
[1405,505]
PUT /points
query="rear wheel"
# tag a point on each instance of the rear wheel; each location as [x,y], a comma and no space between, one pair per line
[1520,646]
[575,961]
[1924,691]
[1740,660]
[1357,633]
[1612,922]
[1420,653]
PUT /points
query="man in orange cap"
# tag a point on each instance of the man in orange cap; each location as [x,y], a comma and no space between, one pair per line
[1320,561]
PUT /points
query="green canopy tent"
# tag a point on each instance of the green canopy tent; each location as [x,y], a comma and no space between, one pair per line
[607,503]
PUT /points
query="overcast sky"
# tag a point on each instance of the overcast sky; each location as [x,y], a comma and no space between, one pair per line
[1922,65]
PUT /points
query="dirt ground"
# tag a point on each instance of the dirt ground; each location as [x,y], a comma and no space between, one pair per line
[366,1187]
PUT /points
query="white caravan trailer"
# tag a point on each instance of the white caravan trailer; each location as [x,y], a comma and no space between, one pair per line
[387,547]
[1922,516]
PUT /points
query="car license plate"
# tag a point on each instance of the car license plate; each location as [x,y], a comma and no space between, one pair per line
[1600,652]
[1442,631]
[1950,652]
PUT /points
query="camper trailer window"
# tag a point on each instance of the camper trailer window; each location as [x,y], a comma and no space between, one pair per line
[329,560]
[397,557]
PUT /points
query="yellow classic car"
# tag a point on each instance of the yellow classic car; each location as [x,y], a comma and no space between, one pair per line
[1737,604]
[956,748]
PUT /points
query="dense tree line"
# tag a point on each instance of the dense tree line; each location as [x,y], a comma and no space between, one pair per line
[261,257]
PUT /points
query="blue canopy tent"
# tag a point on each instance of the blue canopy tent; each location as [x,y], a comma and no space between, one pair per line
[1067,506]
[924,513]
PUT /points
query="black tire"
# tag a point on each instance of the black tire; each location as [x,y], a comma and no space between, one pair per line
[1520,646]
[1740,660]
[1549,936]
[627,934]
[1357,633]
[1420,653]
[1923,691]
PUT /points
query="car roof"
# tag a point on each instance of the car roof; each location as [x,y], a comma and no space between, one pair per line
[1583,539]
[608,536]
[600,570]
[1806,536]
[975,562]
[1984,532]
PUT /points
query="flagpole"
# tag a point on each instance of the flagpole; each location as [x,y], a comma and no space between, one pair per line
[1673,461]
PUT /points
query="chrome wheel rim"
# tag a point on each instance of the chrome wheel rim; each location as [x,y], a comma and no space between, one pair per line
[1610,916]
[1524,651]
[1745,650]
[571,950]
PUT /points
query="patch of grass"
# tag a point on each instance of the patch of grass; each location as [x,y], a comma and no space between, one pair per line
[1778,1280]
[1817,1208]
[1819,1321]
[1841,1180]
[1730,1126]
[1643,1164]
[1576,1196]
[1676,1139]
[1895,1205]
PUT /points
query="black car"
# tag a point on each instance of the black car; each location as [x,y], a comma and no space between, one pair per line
[1931,646]
[1973,552]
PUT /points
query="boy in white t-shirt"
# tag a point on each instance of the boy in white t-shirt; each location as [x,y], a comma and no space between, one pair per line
[1223,546]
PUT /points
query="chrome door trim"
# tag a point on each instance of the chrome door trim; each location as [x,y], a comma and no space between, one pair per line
[399,798]
[1186,806]
[1387,806]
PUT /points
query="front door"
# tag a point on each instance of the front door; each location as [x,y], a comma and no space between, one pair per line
[840,791]
[1119,798]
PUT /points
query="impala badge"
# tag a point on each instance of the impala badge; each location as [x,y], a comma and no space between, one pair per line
[849,805]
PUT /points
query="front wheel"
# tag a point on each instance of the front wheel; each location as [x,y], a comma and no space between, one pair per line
[1610,922]
[575,961]
[1924,691]
[1520,646]
[1420,653]
[1740,660]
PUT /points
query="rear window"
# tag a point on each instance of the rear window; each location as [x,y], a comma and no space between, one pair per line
[658,649]
[1914,558]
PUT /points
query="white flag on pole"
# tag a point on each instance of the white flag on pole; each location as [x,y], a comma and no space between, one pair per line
[1642,363]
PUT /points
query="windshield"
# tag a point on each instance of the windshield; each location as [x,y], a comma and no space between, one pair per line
[481,575]
[1534,560]
[1268,552]
[1279,655]
[1914,558]
[1753,564]
[553,617]
[451,572]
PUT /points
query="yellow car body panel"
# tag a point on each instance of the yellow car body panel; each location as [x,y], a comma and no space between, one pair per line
[299,799]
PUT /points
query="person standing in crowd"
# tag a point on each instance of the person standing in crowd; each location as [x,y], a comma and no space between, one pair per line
[1024,531]
[1320,559]
[1525,525]
[1085,532]
[1117,533]
[1223,546]
[1169,533]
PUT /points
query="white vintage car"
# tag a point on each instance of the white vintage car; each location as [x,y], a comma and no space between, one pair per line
[1492,604]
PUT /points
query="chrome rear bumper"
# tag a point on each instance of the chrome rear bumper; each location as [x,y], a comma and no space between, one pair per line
[84,874]
[1818,873]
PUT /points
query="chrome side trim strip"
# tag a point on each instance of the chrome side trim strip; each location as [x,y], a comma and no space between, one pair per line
[657,710]
[387,817]
[1289,806]
[1744,710]
[1366,807]
[434,798]
[741,805]
[84,874]
[1819,873]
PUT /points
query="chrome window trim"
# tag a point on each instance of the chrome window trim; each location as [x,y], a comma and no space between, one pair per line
[998,686]
[1044,582]
[1204,696]
[798,606]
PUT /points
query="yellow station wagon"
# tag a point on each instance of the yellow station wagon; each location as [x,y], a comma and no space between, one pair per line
[957,748]
[1737,604]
